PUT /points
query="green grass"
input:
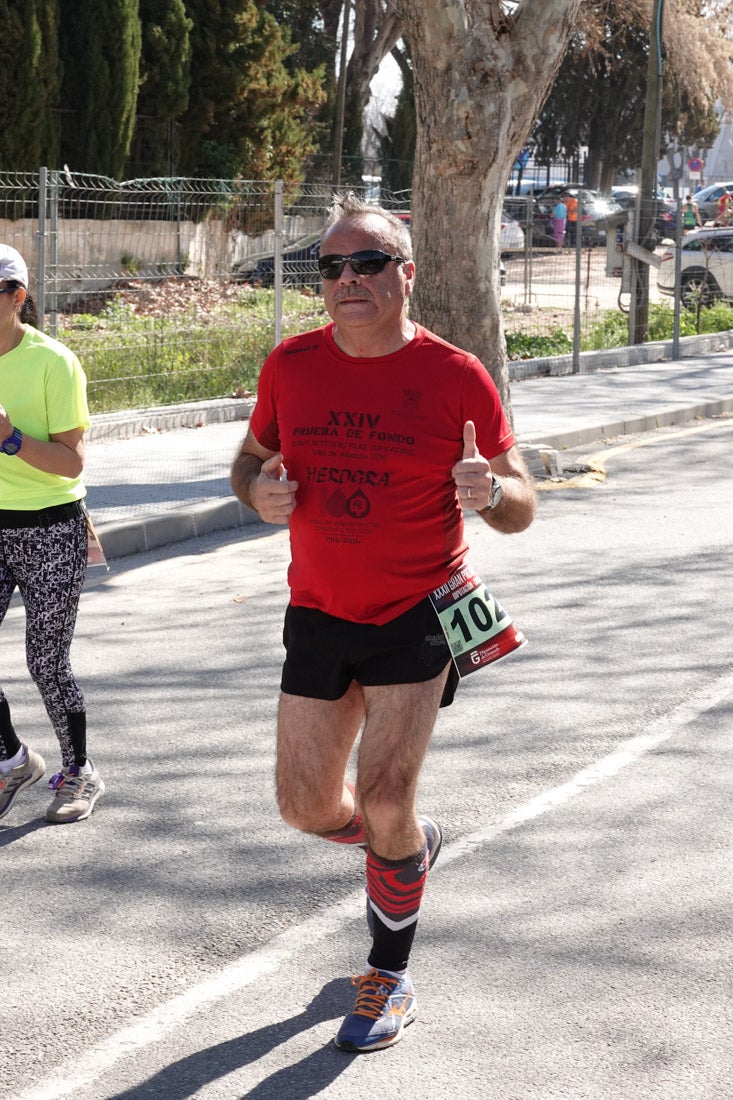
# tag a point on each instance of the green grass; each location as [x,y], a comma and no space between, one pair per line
[134,361]
[613,330]
[522,345]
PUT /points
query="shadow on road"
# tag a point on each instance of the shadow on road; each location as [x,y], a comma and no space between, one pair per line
[183,1079]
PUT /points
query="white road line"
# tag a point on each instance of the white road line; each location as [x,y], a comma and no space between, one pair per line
[72,1078]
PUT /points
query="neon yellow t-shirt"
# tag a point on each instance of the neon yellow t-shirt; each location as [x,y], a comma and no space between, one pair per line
[43,390]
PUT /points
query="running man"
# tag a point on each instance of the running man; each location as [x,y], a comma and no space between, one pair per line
[369,439]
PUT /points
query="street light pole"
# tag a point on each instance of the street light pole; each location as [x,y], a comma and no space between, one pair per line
[639,320]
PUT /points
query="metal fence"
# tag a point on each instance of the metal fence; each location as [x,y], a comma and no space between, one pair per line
[175,289]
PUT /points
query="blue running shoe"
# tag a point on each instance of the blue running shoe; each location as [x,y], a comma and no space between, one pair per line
[434,839]
[385,1005]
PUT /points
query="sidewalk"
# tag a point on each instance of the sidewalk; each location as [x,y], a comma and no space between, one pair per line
[165,484]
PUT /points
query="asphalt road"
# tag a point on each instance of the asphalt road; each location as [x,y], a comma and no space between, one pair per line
[576,941]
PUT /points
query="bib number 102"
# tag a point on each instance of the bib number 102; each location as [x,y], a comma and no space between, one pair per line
[476,626]
[477,618]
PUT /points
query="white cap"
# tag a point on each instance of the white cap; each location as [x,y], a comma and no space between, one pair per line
[12,266]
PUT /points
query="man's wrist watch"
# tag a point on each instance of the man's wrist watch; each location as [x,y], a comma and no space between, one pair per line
[13,443]
[495,496]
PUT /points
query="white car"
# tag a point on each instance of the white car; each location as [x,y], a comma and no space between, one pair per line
[706,267]
[511,238]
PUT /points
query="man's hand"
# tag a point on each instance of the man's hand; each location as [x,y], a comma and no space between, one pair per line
[472,475]
[273,496]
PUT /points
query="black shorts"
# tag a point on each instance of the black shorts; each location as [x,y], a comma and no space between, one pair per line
[325,654]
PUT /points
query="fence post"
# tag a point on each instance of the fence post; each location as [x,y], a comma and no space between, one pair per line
[577,305]
[53,252]
[677,275]
[528,250]
[42,185]
[278,261]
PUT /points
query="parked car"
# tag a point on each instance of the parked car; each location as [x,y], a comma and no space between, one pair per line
[526,187]
[404,215]
[530,217]
[706,267]
[511,238]
[596,209]
[299,266]
[533,212]
[708,198]
[665,217]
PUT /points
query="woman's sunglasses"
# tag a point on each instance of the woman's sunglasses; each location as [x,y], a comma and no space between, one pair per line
[369,262]
[10,288]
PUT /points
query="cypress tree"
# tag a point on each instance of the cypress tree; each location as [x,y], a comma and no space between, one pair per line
[249,114]
[29,77]
[101,58]
[48,76]
[165,72]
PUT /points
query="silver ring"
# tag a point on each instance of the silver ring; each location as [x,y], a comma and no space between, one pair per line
[469,493]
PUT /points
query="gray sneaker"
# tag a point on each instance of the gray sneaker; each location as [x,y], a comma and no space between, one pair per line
[20,777]
[74,794]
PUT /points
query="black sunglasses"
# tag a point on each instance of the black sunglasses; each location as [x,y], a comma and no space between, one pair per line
[369,262]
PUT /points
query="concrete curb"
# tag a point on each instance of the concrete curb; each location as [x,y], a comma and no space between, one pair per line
[166,418]
[121,540]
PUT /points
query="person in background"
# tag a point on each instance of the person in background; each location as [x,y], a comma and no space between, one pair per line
[559,218]
[368,439]
[725,209]
[690,215]
[571,203]
[43,539]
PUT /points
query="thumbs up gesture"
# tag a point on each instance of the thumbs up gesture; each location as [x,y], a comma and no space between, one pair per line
[472,474]
[273,493]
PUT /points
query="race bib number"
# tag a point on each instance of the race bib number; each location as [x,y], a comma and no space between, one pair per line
[476,626]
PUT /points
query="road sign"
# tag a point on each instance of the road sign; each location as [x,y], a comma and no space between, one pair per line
[694,164]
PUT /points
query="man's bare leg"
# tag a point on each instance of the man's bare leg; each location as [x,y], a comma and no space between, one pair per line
[314,740]
[397,730]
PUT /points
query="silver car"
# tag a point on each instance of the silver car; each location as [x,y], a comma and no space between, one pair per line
[707,200]
[706,267]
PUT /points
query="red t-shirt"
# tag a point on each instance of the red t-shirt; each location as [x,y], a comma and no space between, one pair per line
[371,443]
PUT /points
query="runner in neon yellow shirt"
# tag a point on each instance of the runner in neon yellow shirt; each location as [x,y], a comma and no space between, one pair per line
[43,539]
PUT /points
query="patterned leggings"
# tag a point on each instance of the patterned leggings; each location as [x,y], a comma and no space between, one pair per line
[48,566]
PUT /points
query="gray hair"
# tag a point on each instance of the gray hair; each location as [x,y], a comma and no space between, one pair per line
[350,207]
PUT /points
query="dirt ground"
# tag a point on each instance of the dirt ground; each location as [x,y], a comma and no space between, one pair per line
[538,296]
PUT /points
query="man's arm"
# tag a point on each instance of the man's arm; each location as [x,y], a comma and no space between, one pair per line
[516,509]
[257,478]
[475,479]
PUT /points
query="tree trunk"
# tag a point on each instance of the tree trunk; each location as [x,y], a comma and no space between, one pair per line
[481,77]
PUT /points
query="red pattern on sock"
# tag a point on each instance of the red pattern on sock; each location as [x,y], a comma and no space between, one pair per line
[396,887]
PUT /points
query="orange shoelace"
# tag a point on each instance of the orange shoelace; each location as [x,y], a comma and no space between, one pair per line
[374,990]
